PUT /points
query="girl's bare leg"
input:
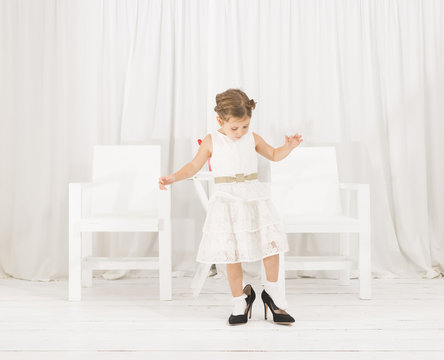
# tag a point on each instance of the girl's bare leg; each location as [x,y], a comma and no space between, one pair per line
[271,264]
[235,276]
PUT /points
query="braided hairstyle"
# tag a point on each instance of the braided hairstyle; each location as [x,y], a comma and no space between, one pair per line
[233,103]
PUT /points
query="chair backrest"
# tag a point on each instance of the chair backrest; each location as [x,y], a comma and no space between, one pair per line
[125,181]
[306,183]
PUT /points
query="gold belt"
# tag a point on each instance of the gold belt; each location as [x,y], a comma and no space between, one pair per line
[236,178]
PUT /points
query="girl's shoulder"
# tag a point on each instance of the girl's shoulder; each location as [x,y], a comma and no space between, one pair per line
[257,138]
[207,143]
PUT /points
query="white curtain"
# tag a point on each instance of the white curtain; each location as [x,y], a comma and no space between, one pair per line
[364,76]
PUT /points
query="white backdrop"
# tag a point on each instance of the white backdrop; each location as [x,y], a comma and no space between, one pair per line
[364,76]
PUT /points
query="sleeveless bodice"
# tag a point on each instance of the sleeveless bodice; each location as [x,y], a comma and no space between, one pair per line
[231,157]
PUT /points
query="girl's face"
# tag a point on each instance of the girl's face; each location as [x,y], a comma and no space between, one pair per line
[234,128]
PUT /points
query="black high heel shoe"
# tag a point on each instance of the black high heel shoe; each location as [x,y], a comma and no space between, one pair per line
[242,318]
[279,316]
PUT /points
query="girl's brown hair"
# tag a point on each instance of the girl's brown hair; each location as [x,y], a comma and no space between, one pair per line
[233,103]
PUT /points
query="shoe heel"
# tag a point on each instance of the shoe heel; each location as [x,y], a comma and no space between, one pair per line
[265,310]
[251,310]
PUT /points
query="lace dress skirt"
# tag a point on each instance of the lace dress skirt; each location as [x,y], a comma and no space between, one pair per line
[242,224]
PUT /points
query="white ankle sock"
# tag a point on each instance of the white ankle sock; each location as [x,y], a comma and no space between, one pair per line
[272,289]
[239,304]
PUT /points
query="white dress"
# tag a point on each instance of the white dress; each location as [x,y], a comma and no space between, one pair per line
[242,223]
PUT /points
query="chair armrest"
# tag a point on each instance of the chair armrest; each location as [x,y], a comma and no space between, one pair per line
[203,175]
[198,180]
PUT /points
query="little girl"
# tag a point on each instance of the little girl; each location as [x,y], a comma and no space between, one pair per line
[241,223]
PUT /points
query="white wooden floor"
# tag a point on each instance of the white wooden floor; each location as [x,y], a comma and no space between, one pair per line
[124,320]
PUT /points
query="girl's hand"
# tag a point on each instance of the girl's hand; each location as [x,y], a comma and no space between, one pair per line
[293,140]
[165,180]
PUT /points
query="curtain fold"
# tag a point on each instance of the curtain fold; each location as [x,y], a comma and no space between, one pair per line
[364,76]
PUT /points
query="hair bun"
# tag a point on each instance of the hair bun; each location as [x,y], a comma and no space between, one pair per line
[252,104]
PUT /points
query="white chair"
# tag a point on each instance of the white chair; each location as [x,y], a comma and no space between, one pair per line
[123,197]
[306,192]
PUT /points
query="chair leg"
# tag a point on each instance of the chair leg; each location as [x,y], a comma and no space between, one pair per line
[199,278]
[344,250]
[197,274]
[365,276]
[86,251]
[75,266]
[165,261]
[365,267]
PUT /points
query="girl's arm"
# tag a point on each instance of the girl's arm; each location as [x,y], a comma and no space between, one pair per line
[276,154]
[205,150]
